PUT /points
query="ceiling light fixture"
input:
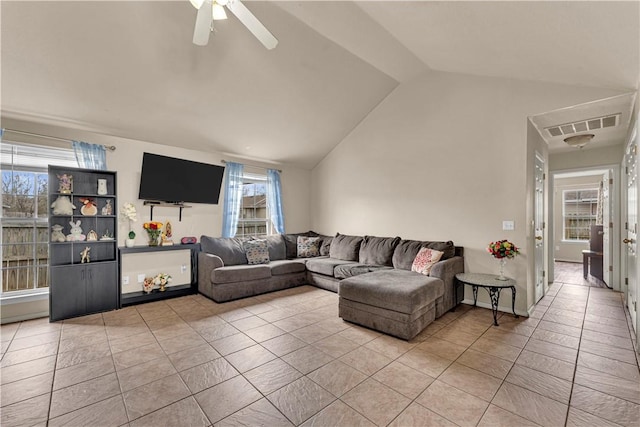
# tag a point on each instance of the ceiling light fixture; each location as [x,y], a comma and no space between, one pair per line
[197,3]
[218,12]
[579,140]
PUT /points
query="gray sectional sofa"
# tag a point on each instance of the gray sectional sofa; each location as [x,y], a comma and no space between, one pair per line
[372,276]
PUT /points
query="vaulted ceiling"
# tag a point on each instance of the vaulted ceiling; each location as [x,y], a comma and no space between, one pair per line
[129,68]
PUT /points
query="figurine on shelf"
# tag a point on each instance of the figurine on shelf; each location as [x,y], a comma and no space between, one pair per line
[92,236]
[65,185]
[84,255]
[107,209]
[89,207]
[102,187]
[63,206]
[148,284]
[106,236]
[56,234]
[165,237]
[76,232]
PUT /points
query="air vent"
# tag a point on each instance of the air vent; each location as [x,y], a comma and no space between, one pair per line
[584,125]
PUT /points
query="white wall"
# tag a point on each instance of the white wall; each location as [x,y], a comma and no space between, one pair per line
[444,156]
[586,158]
[199,220]
[568,250]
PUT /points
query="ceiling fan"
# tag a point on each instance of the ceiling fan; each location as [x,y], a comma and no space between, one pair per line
[210,10]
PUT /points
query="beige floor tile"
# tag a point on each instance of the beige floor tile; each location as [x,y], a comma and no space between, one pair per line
[615,330]
[300,400]
[34,340]
[455,335]
[36,327]
[207,375]
[75,343]
[337,377]
[292,323]
[533,406]
[235,314]
[445,349]
[578,418]
[605,350]
[338,414]
[131,342]
[153,396]
[376,401]
[494,348]
[416,416]
[249,358]
[260,413]
[498,417]
[283,344]
[609,366]
[623,388]
[359,335]
[544,384]
[28,354]
[28,412]
[232,343]
[32,368]
[556,338]
[145,373]
[27,388]
[564,318]
[366,360]
[272,375]
[191,357]
[82,355]
[560,328]
[311,333]
[248,323]
[224,399]
[75,374]
[453,404]
[425,362]
[611,340]
[187,340]
[506,337]
[471,381]
[549,365]
[176,331]
[135,356]
[403,379]
[107,413]
[335,345]
[605,406]
[554,350]
[264,333]
[307,359]
[185,412]
[84,394]
[486,363]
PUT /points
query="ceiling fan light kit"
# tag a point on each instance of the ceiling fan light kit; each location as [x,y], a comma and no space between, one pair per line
[210,10]
[579,141]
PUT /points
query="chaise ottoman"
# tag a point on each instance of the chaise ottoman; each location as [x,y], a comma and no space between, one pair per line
[397,302]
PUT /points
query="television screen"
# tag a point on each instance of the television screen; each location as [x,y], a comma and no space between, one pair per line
[167,179]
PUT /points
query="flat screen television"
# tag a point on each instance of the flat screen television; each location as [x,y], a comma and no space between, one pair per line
[167,179]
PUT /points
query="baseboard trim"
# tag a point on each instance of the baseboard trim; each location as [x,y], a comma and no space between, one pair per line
[21,318]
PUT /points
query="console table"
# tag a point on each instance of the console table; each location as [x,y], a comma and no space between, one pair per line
[172,291]
[493,286]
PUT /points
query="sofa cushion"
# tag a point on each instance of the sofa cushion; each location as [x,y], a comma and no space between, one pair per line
[378,250]
[308,247]
[425,259]
[231,251]
[286,266]
[325,245]
[354,269]
[257,252]
[345,247]
[397,290]
[277,248]
[407,250]
[241,273]
[324,265]
[291,242]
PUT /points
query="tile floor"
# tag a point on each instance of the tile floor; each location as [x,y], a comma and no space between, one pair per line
[572,273]
[286,358]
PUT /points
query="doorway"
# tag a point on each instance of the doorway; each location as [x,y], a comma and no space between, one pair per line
[584,227]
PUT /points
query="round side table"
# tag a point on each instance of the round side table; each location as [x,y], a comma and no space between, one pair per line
[493,286]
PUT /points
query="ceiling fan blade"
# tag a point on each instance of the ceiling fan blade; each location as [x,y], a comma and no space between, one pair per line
[251,22]
[203,24]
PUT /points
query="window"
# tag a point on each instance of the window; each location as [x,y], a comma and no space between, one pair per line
[253,219]
[25,230]
[580,209]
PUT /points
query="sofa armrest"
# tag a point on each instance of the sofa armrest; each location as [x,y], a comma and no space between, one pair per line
[207,264]
[446,271]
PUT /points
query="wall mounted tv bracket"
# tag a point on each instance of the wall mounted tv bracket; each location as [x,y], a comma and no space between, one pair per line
[153,203]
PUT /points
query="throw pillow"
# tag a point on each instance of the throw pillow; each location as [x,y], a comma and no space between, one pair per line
[257,251]
[425,259]
[308,247]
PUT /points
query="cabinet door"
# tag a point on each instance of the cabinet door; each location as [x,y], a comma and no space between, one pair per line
[102,286]
[67,292]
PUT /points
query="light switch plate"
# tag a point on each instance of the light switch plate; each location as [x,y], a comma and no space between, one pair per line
[125,280]
[140,278]
[508,225]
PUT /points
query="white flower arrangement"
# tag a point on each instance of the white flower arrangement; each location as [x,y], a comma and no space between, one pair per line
[162,279]
[129,212]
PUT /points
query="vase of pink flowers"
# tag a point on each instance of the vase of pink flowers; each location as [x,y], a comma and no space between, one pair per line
[503,250]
